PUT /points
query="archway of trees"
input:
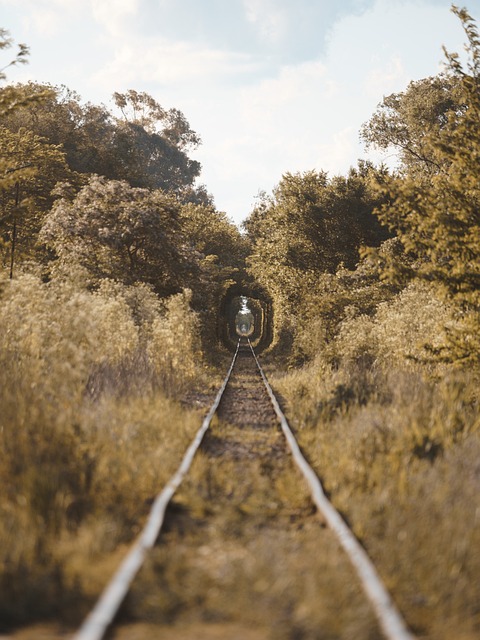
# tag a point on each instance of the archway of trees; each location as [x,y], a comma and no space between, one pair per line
[258,302]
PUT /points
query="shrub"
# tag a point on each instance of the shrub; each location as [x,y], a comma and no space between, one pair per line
[86,432]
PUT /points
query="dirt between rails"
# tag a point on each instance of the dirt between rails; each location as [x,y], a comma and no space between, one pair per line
[243,553]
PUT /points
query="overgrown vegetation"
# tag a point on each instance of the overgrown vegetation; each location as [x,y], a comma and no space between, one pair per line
[86,426]
[384,378]
[112,260]
[114,263]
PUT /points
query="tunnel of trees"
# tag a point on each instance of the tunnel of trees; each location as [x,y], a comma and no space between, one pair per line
[258,303]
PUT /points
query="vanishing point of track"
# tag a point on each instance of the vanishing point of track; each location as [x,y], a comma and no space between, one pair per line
[257,406]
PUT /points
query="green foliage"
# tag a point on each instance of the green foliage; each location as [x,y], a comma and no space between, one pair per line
[313,223]
[213,235]
[331,300]
[310,227]
[31,168]
[221,252]
[117,231]
[436,217]
[404,121]
[12,99]
[406,329]
[22,53]
[142,109]
[146,147]
[85,132]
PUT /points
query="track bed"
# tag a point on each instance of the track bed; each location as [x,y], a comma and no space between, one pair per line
[243,553]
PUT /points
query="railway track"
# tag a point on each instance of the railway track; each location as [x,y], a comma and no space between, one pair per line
[238,544]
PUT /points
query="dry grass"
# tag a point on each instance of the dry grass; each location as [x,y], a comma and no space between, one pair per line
[90,429]
[74,492]
[244,549]
[87,434]
[398,452]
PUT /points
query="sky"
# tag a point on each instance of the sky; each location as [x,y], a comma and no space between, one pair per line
[271,86]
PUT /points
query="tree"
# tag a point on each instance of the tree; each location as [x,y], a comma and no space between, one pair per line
[221,251]
[116,231]
[309,227]
[211,233]
[312,223]
[438,219]
[147,146]
[151,144]
[31,169]
[9,100]
[142,109]
[404,121]
[85,132]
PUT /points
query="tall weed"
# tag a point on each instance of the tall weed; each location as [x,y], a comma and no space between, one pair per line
[393,437]
[410,327]
[87,435]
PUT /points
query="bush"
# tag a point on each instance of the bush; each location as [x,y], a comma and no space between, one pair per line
[410,327]
[396,446]
[86,432]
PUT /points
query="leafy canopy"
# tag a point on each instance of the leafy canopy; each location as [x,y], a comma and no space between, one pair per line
[119,232]
[144,145]
[437,216]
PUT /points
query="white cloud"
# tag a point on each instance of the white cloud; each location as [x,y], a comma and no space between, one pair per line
[47,22]
[161,62]
[45,17]
[268,128]
[282,104]
[269,20]
[386,79]
[339,153]
[308,116]
[113,15]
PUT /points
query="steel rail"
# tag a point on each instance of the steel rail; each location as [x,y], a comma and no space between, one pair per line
[388,616]
[102,615]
